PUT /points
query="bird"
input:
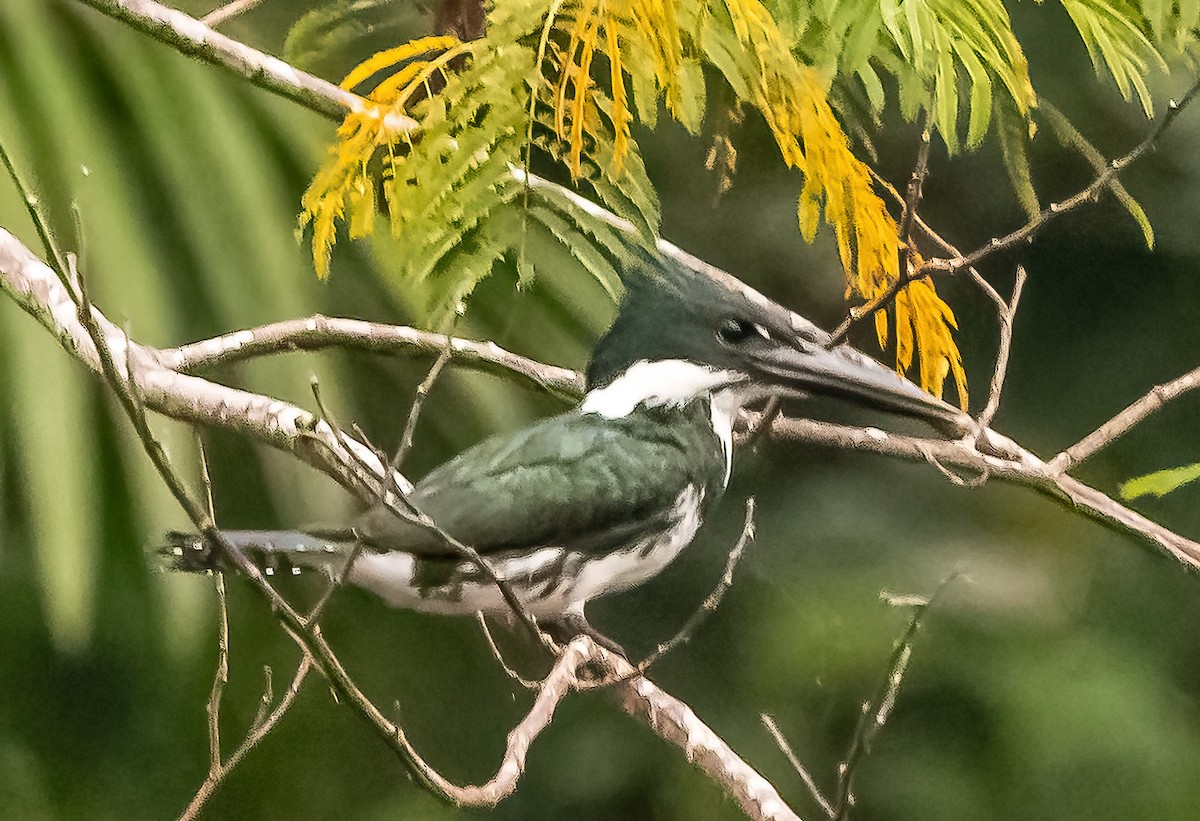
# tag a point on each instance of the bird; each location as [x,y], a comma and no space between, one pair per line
[602,497]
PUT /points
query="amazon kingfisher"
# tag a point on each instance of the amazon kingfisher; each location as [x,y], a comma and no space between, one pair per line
[604,496]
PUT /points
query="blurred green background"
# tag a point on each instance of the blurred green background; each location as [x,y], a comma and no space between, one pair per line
[1061,682]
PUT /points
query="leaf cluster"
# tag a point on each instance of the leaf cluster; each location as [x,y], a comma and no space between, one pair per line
[560,83]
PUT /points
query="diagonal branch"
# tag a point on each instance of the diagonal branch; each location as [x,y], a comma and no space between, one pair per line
[1023,468]
[34,286]
[1124,421]
[1089,193]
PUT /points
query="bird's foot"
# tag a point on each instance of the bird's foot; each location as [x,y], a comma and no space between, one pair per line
[570,625]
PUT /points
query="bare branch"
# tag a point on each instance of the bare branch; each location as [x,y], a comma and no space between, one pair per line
[418,403]
[227,12]
[318,332]
[189,36]
[220,678]
[257,733]
[675,723]
[1124,421]
[1007,314]
[1023,468]
[876,712]
[499,657]
[802,771]
[1090,193]
[708,606]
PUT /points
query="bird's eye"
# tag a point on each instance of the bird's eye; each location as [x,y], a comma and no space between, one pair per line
[735,331]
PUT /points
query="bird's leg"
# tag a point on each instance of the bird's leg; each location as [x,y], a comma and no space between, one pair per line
[574,623]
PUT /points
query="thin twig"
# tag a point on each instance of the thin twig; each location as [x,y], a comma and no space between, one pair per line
[912,200]
[228,11]
[706,608]
[1026,232]
[266,699]
[259,731]
[418,404]
[943,245]
[1124,421]
[1090,193]
[528,684]
[876,712]
[1006,334]
[220,678]
[802,771]
[762,424]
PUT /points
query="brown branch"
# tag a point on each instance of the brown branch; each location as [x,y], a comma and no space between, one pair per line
[1021,468]
[317,332]
[1007,314]
[1124,421]
[263,724]
[912,199]
[227,12]
[1090,193]
[676,724]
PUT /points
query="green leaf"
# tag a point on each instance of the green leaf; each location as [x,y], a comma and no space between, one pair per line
[1013,130]
[1111,31]
[1161,482]
[1069,135]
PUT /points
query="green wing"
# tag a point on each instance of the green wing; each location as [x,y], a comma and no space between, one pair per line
[576,481]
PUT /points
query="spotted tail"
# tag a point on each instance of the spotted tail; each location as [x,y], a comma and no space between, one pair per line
[275,552]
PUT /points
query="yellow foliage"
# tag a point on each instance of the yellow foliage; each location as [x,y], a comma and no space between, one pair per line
[792,98]
[642,28]
[656,44]
[924,323]
[343,184]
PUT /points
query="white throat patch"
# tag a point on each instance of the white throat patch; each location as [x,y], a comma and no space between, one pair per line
[670,382]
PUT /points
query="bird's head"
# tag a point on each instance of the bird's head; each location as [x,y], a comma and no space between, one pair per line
[686,328]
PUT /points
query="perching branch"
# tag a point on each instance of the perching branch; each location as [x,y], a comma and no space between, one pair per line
[165,389]
[34,286]
[1024,469]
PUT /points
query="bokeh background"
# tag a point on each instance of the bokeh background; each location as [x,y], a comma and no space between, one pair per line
[1062,681]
